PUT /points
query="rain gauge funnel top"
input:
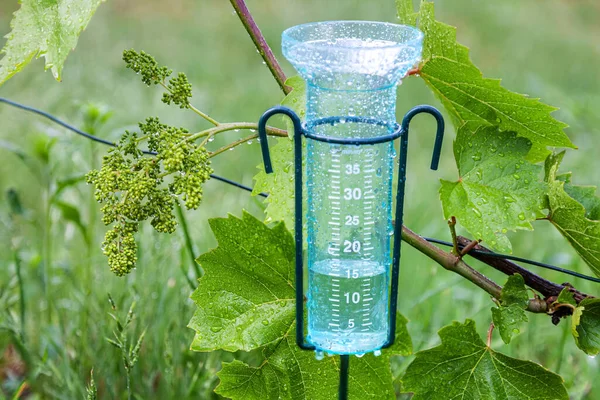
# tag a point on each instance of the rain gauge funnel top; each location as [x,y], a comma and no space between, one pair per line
[352,55]
[352,69]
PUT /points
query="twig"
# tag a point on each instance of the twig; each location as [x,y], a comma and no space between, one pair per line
[469,247]
[548,289]
[453,263]
[450,262]
[260,43]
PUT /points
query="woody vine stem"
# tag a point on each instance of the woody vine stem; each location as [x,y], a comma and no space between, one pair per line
[448,260]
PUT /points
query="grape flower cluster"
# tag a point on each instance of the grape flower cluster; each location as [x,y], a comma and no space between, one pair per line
[133,186]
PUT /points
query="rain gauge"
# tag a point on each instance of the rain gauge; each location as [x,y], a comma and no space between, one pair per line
[352,70]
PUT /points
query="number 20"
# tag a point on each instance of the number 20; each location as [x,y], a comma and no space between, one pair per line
[351,247]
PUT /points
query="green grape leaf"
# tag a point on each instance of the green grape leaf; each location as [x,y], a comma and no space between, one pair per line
[245,301]
[511,313]
[586,326]
[514,292]
[44,28]
[566,297]
[280,183]
[586,195]
[295,100]
[406,12]
[570,217]
[287,372]
[508,321]
[473,100]
[246,297]
[462,366]
[239,380]
[498,190]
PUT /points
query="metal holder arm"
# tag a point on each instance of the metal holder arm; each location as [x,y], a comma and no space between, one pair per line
[435,160]
[398,131]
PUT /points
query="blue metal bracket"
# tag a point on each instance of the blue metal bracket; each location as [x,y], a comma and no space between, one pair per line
[398,131]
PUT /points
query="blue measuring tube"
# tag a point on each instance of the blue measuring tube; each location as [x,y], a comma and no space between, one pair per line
[352,70]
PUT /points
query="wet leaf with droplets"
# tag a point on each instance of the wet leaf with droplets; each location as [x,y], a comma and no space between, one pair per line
[586,326]
[470,98]
[574,211]
[295,100]
[246,278]
[44,28]
[290,373]
[510,314]
[247,281]
[498,190]
[464,367]
[280,183]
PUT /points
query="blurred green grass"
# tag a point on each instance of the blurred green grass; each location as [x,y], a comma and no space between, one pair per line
[547,49]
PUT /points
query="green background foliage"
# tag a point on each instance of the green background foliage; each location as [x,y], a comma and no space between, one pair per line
[547,52]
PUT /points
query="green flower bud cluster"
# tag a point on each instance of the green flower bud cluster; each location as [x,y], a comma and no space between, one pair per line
[163,219]
[146,66]
[195,170]
[120,247]
[134,187]
[179,90]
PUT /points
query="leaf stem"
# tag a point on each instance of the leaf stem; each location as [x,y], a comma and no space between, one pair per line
[231,126]
[194,109]
[261,44]
[414,71]
[452,226]
[205,116]
[489,335]
[233,144]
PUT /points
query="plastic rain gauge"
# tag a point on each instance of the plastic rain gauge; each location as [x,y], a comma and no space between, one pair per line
[352,70]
